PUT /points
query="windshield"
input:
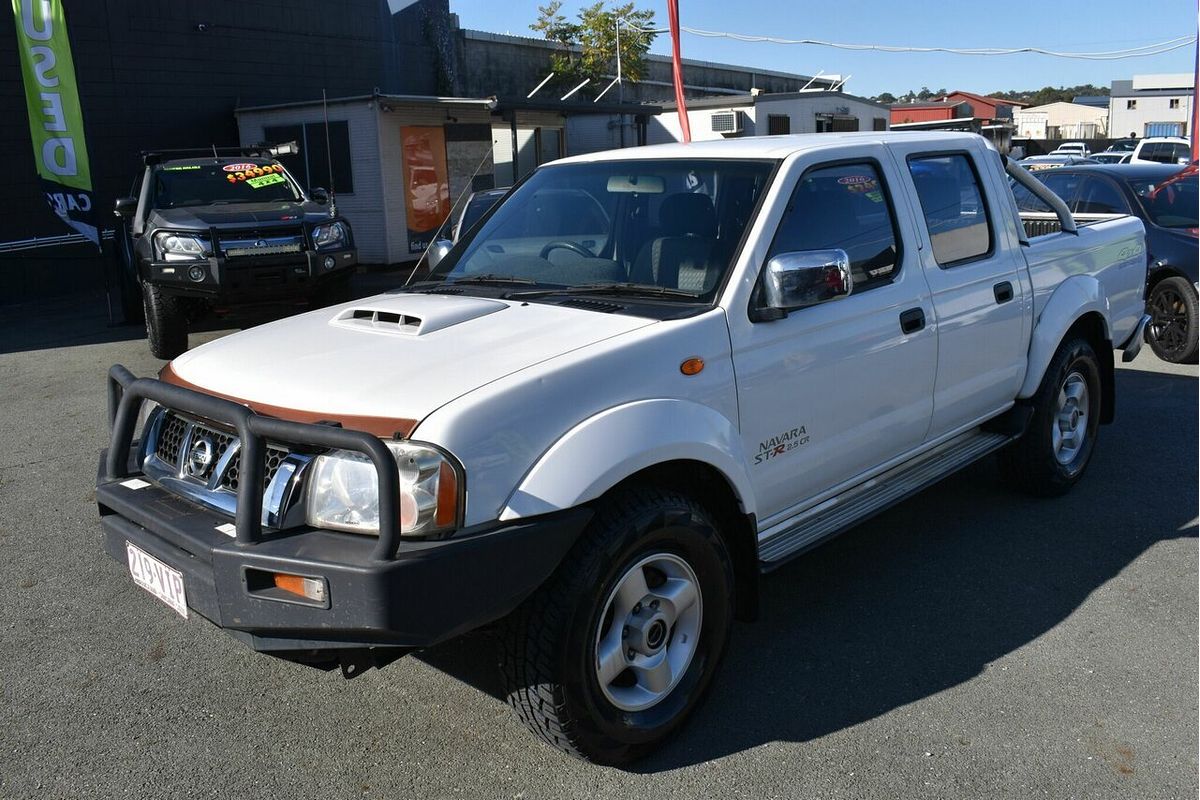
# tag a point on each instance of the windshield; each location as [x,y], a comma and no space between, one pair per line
[671,225]
[178,185]
[1170,203]
[477,206]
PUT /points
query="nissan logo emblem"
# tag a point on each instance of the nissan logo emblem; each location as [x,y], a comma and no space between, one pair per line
[200,457]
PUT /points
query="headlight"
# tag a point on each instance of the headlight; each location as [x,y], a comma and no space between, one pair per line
[180,246]
[343,491]
[329,235]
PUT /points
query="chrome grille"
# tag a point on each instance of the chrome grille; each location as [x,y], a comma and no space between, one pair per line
[172,439]
[275,457]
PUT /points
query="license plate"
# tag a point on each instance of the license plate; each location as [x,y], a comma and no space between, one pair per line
[157,578]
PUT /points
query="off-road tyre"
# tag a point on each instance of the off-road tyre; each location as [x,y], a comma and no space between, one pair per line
[548,645]
[1030,464]
[1172,332]
[166,322]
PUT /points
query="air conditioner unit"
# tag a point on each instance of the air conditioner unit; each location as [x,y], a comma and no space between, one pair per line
[727,122]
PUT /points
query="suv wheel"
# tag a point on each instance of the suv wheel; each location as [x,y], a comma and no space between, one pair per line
[1055,450]
[166,322]
[1172,330]
[609,657]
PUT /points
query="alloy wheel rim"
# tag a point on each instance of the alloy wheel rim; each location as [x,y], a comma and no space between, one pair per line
[648,632]
[1168,320]
[1069,428]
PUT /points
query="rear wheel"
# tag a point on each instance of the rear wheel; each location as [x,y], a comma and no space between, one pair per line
[1172,330]
[166,322]
[1055,450]
[608,658]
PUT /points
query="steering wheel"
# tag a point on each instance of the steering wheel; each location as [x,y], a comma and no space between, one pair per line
[563,244]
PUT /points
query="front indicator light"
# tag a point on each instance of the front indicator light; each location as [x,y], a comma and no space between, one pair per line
[311,588]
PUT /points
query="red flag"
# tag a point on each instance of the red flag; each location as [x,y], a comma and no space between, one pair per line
[677,65]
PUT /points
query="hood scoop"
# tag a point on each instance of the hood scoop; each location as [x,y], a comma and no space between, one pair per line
[414,314]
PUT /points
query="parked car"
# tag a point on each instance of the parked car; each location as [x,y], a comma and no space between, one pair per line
[1165,198]
[1123,146]
[478,204]
[1109,157]
[1162,150]
[601,431]
[1073,149]
[225,227]
[1053,161]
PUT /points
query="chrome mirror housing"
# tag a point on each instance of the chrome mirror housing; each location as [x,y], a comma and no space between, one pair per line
[806,278]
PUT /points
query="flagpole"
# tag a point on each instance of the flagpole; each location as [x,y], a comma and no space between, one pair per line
[677,66]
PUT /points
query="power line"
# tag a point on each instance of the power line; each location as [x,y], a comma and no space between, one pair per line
[1110,55]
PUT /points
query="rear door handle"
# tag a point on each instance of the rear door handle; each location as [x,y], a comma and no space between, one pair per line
[912,320]
[1003,292]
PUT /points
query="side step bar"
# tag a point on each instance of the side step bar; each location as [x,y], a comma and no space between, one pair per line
[873,496]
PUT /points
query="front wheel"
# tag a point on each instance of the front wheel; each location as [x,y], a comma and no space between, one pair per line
[1172,331]
[608,658]
[1056,448]
[166,322]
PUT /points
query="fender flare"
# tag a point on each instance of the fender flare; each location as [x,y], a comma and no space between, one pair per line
[603,450]
[1074,297]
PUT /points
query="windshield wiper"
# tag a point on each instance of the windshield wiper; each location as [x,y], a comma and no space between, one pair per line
[626,289]
[488,279]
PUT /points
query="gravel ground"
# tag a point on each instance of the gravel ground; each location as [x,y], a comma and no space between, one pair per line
[971,642]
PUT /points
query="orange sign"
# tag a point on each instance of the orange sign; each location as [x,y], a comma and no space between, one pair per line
[426,183]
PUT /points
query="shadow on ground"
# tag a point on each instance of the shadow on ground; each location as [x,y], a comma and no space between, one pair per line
[85,319]
[925,596]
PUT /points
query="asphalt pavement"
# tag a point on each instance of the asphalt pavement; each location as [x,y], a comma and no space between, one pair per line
[969,643]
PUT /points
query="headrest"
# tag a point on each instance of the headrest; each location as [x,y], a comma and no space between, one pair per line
[688,215]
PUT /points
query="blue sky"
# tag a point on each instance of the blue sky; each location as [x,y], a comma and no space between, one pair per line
[1093,26]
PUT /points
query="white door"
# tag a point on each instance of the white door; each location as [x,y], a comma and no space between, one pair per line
[835,389]
[974,268]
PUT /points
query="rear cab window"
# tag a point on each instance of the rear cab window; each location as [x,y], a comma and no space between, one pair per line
[952,202]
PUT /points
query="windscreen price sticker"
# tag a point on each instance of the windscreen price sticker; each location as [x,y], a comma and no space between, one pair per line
[264,180]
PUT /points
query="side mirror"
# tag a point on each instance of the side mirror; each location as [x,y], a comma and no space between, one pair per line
[438,251]
[318,195]
[125,207]
[805,278]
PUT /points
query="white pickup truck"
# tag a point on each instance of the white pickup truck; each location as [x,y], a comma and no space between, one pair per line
[643,379]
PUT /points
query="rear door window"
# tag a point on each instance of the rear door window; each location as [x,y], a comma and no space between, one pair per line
[845,207]
[1099,196]
[953,205]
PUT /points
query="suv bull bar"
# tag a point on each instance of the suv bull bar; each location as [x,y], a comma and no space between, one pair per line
[127,393]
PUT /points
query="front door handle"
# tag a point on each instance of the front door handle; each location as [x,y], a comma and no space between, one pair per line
[912,320]
[1003,292]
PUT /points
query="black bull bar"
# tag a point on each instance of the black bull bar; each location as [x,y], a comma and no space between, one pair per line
[127,393]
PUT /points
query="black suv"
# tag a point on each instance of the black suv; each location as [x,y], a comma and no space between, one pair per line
[225,229]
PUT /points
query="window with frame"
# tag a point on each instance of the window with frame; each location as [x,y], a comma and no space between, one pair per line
[844,206]
[778,124]
[953,205]
[1100,196]
[1174,102]
[1130,105]
[311,165]
[879,124]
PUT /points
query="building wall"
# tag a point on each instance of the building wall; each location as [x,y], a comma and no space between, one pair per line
[361,207]
[1061,120]
[148,78]
[802,111]
[1123,120]
[900,116]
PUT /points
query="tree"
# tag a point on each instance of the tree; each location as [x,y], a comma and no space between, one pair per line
[886,98]
[588,48]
